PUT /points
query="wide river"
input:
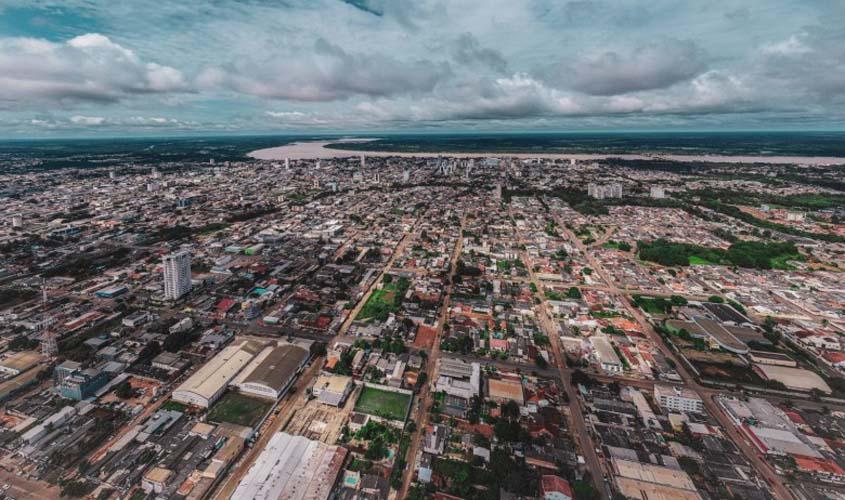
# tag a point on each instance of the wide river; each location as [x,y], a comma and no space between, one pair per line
[318,149]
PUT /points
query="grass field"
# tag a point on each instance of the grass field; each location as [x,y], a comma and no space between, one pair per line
[385,300]
[173,405]
[698,261]
[238,409]
[392,405]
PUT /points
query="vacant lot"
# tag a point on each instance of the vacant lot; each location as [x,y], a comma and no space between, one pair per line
[385,300]
[392,405]
[239,409]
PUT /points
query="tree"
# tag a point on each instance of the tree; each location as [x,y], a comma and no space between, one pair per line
[716,299]
[510,409]
[124,390]
[769,324]
[376,450]
[678,300]
[23,343]
[422,378]
[411,427]
[573,293]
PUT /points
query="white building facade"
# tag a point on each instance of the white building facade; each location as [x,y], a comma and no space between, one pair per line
[177,274]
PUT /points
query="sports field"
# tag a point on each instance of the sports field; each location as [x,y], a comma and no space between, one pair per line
[238,409]
[392,405]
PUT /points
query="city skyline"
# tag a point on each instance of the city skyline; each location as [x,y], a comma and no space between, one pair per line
[90,68]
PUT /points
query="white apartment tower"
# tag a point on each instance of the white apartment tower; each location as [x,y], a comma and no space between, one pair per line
[177,274]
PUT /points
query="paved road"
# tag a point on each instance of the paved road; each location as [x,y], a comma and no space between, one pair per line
[277,421]
[582,435]
[779,490]
[420,413]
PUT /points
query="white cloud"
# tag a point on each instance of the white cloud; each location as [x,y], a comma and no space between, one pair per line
[324,72]
[87,120]
[86,68]
[654,66]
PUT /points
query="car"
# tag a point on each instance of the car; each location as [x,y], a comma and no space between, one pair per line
[6,486]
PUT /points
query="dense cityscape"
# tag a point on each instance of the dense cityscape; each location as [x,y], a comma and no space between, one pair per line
[422,327]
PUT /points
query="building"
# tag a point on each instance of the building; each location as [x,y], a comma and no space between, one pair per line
[177,274]
[81,384]
[605,354]
[555,488]
[332,389]
[155,480]
[657,192]
[678,399]
[169,362]
[794,379]
[647,481]
[136,319]
[292,467]
[208,383]
[111,292]
[602,191]
[771,358]
[19,362]
[458,378]
[435,439]
[273,371]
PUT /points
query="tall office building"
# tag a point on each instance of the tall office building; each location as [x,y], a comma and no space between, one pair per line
[177,274]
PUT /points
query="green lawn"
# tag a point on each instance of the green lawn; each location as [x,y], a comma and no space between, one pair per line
[698,261]
[653,305]
[238,409]
[174,406]
[392,405]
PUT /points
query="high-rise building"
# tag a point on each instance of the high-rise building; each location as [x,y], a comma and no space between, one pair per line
[177,274]
[602,191]
[49,346]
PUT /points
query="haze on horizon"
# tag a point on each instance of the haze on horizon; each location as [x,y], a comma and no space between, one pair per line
[92,67]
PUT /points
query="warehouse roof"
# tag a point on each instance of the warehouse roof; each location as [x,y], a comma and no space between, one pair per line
[277,366]
[21,361]
[221,369]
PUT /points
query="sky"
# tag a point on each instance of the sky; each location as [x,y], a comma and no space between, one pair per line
[131,67]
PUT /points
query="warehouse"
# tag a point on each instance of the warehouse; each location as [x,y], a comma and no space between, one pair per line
[795,379]
[19,362]
[332,389]
[293,467]
[272,372]
[205,386]
[648,481]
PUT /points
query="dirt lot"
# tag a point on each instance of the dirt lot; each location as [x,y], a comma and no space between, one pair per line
[425,337]
[143,389]
[320,422]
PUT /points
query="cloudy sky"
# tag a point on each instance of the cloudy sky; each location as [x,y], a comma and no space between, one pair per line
[103,67]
